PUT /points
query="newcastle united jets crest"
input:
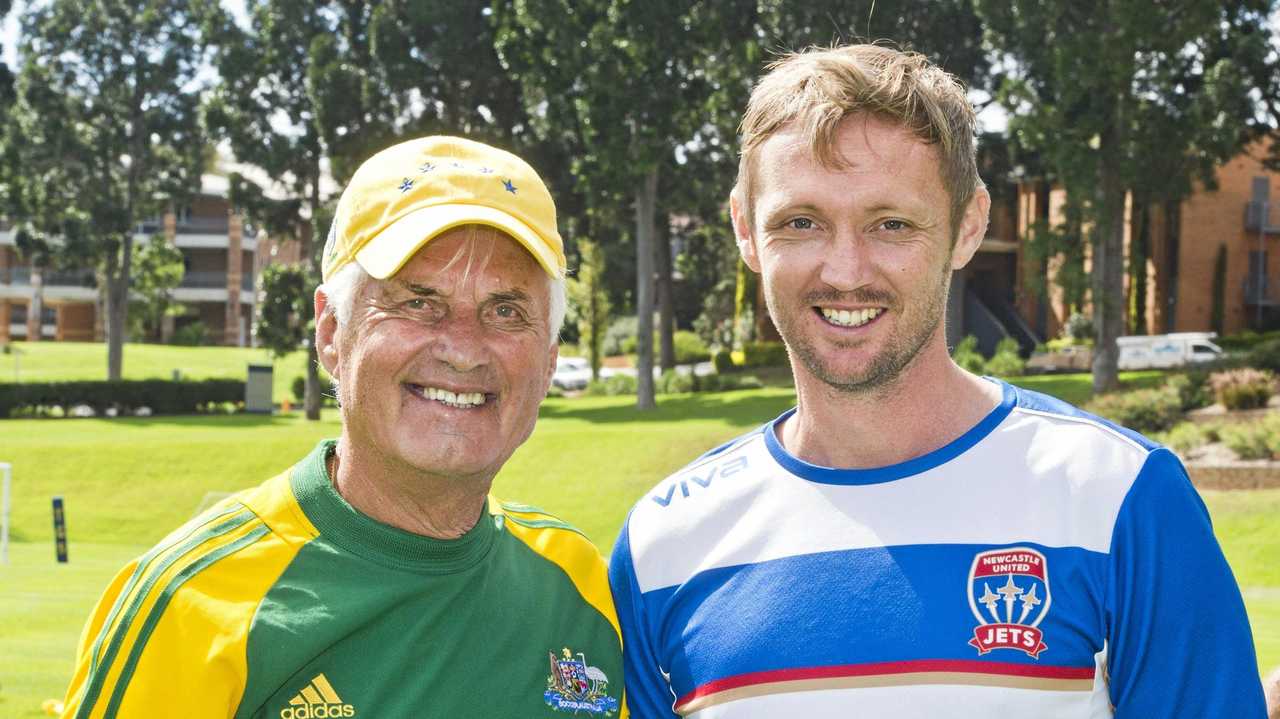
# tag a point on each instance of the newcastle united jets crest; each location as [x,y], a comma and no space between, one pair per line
[574,686]
[1009,596]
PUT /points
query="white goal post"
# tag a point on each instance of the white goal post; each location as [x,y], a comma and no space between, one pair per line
[7,470]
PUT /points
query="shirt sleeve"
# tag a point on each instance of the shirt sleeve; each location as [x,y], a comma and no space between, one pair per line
[648,693]
[1179,642]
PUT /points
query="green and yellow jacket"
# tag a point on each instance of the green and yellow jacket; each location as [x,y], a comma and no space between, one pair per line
[285,602]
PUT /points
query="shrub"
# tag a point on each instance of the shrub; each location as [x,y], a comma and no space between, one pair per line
[722,361]
[729,382]
[299,388]
[1143,410]
[1266,355]
[1192,389]
[1186,436]
[764,354]
[193,334]
[1079,327]
[620,330]
[673,382]
[613,385]
[689,347]
[1006,362]
[1244,388]
[966,355]
[124,397]
[1254,440]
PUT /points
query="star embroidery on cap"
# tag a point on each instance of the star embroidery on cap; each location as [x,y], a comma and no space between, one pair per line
[426,167]
[510,187]
[456,164]
[486,171]
[406,185]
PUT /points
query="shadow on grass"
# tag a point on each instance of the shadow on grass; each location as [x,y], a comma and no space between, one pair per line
[737,409]
[207,420]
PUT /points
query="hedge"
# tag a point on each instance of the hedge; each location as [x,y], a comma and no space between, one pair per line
[125,396]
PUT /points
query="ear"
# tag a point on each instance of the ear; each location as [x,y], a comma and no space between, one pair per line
[326,335]
[973,229]
[742,231]
[552,355]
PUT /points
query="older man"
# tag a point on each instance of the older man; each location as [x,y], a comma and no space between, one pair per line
[376,577]
[911,540]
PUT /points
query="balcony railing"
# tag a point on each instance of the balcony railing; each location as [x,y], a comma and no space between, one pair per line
[203,226]
[1261,291]
[64,278]
[213,279]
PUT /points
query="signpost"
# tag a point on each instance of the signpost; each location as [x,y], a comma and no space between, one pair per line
[59,530]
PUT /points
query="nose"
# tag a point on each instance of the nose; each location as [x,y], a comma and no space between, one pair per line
[460,344]
[847,263]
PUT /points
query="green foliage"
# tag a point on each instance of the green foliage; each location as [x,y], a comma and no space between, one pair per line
[1244,388]
[590,302]
[1143,410]
[1192,388]
[123,396]
[764,354]
[1218,295]
[157,272]
[1266,355]
[722,361]
[690,348]
[298,388]
[673,382]
[966,355]
[1186,436]
[1006,362]
[613,385]
[1254,440]
[1248,340]
[620,338]
[1079,328]
[108,122]
[191,334]
[729,382]
[283,299]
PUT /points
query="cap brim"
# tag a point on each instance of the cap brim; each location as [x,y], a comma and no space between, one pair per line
[384,255]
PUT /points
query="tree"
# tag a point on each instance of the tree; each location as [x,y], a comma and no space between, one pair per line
[1126,97]
[591,301]
[281,323]
[106,129]
[158,270]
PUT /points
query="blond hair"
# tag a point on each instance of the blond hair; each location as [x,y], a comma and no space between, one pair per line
[816,89]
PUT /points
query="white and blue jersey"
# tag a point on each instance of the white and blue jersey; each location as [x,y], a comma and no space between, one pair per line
[1045,564]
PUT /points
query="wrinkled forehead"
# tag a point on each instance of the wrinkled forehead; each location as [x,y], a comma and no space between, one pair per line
[476,256]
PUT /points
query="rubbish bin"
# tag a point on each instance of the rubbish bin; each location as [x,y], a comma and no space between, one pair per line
[257,389]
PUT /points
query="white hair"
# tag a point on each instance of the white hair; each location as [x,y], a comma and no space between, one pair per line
[342,288]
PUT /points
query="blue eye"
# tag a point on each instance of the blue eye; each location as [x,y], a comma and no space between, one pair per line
[894,225]
[801,223]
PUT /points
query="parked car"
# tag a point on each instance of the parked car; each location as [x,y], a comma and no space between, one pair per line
[571,373]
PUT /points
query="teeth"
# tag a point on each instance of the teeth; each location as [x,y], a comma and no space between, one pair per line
[847,318]
[454,399]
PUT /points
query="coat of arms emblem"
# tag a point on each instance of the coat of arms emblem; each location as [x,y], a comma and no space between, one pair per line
[574,685]
[1009,596]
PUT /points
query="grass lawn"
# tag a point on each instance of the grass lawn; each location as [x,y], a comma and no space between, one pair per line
[127,482]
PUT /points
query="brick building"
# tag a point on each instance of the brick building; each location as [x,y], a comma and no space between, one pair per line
[219,254]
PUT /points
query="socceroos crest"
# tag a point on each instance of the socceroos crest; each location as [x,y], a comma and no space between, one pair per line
[575,686]
[1009,596]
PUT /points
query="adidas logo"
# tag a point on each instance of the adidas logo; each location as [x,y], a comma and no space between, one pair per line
[317,700]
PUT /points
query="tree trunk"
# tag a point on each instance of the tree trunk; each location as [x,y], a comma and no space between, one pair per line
[646,199]
[1107,271]
[312,397]
[666,304]
[35,311]
[118,308]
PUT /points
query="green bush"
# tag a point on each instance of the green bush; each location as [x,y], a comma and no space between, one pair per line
[1254,440]
[123,396]
[611,386]
[764,354]
[1192,388]
[1144,410]
[299,388]
[689,347]
[615,338]
[193,334]
[1079,327]
[673,382]
[728,382]
[966,355]
[1244,388]
[722,361]
[1246,340]
[1006,362]
[1186,436]
[1266,355]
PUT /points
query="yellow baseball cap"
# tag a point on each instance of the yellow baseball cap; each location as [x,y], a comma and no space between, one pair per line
[406,195]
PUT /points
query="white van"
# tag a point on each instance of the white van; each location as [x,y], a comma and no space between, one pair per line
[1171,350]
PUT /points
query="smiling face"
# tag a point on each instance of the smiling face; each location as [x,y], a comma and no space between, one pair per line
[856,260]
[441,368]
